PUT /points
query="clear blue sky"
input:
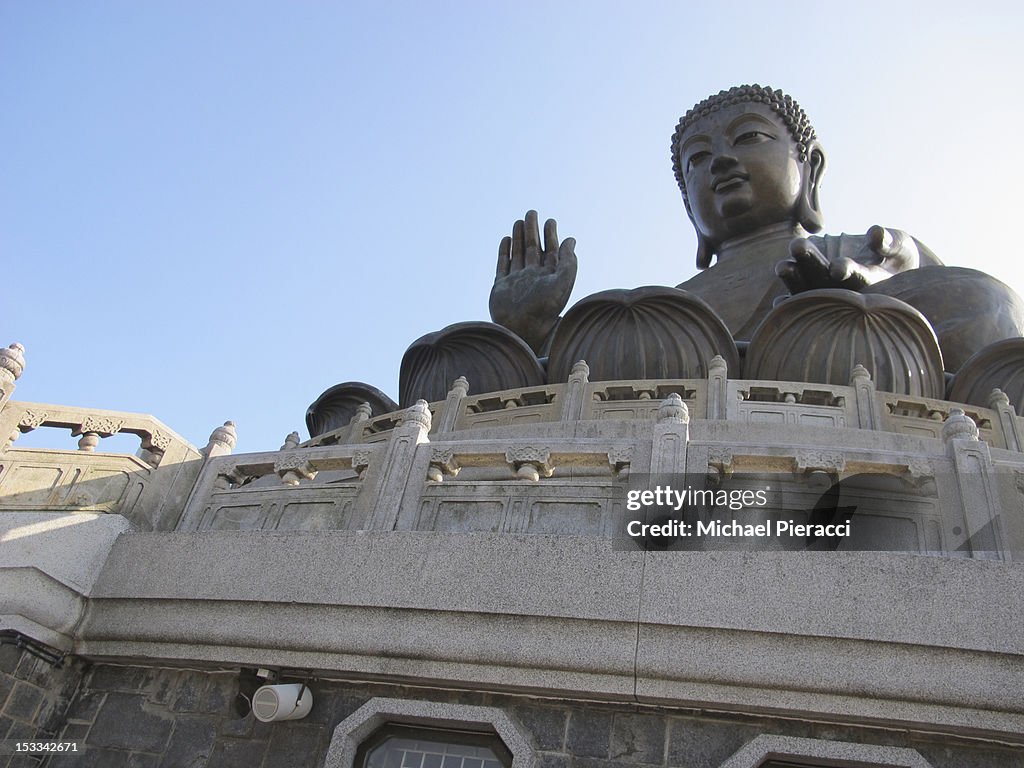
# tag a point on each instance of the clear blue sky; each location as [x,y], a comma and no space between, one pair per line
[218,210]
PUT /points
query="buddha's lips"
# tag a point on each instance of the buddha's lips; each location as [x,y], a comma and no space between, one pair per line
[728,182]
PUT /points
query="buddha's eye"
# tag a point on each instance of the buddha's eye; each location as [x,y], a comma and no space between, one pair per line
[696,159]
[752,137]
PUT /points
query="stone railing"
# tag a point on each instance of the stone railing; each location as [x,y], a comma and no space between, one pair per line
[148,488]
[857,405]
[565,471]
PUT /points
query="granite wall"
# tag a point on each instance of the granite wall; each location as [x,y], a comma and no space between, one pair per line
[138,717]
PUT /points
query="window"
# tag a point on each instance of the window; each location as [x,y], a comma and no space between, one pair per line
[406,733]
[397,746]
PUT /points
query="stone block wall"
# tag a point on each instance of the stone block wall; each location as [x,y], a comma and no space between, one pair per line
[136,717]
[34,698]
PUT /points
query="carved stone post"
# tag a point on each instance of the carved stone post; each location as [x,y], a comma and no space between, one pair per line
[355,425]
[222,441]
[453,404]
[396,467]
[573,398]
[972,463]
[1000,403]
[12,364]
[671,435]
[291,442]
[718,380]
[865,399]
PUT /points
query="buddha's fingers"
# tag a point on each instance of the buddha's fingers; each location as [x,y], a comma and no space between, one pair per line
[504,257]
[850,274]
[518,260]
[566,266]
[811,263]
[788,271]
[895,249]
[550,243]
[532,234]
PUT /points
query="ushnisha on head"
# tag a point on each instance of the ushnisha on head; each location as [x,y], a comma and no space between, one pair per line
[745,159]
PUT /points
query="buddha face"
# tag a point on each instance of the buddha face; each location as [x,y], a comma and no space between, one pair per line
[742,172]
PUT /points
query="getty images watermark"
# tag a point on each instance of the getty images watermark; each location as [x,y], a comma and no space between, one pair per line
[773,514]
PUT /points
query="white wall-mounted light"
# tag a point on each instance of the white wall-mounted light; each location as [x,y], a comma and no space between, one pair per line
[287,701]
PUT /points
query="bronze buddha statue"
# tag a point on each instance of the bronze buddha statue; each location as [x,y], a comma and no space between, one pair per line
[749,166]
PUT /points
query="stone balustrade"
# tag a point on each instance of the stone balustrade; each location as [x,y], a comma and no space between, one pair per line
[149,489]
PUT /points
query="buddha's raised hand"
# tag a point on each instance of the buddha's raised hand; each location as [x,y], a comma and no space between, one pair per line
[532,284]
[882,253]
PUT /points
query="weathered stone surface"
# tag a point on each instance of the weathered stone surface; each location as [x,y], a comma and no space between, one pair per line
[547,724]
[638,738]
[297,746]
[589,733]
[694,743]
[228,752]
[191,741]
[23,701]
[122,723]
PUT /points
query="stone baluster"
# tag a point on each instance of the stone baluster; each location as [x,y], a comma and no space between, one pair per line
[93,428]
[354,434]
[453,405]
[999,402]
[395,470]
[865,398]
[718,380]
[573,398]
[979,497]
[12,365]
[530,462]
[222,441]
[671,435]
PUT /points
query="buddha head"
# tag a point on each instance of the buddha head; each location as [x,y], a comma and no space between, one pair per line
[746,159]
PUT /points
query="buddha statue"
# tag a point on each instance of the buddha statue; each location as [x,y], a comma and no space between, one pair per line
[798,305]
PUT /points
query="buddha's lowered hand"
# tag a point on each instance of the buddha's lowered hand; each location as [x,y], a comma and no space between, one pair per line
[816,262]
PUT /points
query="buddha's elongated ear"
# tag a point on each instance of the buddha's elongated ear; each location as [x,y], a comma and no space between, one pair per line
[704,252]
[809,210]
[705,249]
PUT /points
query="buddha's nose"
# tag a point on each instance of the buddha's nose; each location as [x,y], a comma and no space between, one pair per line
[722,162]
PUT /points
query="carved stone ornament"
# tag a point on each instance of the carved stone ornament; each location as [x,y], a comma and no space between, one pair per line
[824,461]
[418,413]
[959,426]
[673,409]
[653,332]
[224,436]
[294,467]
[227,476]
[821,336]
[442,463]
[291,442]
[12,361]
[920,468]
[530,462]
[720,459]
[31,420]
[159,440]
[101,425]
[620,457]
[361,460]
